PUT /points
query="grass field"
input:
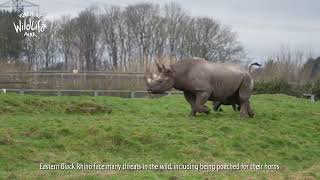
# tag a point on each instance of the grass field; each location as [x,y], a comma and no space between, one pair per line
[34,130]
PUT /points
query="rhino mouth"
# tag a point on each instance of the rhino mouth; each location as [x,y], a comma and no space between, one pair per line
[149,81]
[149,90]
[153,91]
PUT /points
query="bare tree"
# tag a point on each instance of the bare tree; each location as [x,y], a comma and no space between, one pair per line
[208,39]
[31,52]
[174,15]
[87,38]
[65,37]
[111,30]
[48,44]
[131,38]
[288,65]
[141,19]
[160,37]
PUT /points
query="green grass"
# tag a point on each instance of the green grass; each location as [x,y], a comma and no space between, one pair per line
[34,130]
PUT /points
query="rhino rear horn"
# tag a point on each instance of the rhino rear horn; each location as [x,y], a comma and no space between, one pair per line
[159,67]
[163,67]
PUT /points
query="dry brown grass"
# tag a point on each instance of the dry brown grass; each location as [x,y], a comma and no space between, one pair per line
[14,67]
[286,65]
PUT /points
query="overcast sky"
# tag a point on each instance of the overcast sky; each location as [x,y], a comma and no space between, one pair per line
[263,26]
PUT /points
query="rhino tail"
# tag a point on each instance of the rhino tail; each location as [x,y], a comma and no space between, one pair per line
[254,64]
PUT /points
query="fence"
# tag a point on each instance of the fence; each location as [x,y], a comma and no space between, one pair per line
[69,80]
[61,92]
[80,83]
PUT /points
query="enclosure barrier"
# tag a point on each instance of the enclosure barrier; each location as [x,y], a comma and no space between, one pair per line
[61,92]
[128,93]
[99,80]
[312,97]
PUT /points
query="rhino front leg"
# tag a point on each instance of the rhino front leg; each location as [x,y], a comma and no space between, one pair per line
[244,95]
[201,99]
[191,98]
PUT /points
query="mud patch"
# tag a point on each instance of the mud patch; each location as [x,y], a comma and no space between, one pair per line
[88,107]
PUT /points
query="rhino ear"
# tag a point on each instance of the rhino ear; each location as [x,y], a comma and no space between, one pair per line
[169,71]
[159,68]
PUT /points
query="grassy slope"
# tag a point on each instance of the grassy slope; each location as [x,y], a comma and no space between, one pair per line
[36,129]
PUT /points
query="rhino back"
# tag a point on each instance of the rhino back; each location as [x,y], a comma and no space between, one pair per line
[199,75]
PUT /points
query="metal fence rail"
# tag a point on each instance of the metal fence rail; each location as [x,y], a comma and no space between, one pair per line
[50,73]
[61,92]
[68,80]
[128,93]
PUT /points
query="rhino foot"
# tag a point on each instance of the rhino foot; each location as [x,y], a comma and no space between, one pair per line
[243,115]
[251,114]
[207,112]
[192,113]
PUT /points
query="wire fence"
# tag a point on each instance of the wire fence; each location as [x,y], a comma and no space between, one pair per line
[91,83]
[70,92]
[93,80]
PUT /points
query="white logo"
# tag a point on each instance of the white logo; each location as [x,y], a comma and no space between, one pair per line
[29,24]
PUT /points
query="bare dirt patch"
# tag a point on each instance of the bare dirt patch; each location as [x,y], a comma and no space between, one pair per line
[88,107]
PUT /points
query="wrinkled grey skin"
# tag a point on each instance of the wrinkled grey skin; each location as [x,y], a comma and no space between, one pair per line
[201,81]
[232,100]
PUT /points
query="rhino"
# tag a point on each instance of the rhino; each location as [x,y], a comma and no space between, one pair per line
[203,81]
[232,100]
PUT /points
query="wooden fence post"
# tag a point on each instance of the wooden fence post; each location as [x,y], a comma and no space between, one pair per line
[95,93]
[132,94]
[312,97]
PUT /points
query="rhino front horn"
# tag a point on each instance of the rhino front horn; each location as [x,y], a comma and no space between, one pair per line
[159,67]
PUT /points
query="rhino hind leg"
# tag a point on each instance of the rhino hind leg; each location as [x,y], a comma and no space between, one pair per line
[245,91]
[201,99]
[244,110]
[250,111]
[216,105]
[234,106]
